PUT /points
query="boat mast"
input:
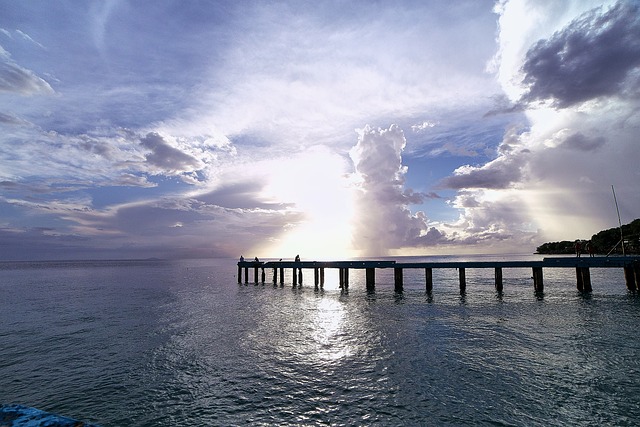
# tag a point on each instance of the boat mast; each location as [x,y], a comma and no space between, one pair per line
[619,222]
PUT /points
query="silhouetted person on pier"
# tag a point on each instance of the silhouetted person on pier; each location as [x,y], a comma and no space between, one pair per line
[590,249]
[241,258]
[256,259]
[297,259]
[578,248]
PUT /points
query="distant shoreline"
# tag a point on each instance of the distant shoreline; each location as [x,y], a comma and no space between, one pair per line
[602,243]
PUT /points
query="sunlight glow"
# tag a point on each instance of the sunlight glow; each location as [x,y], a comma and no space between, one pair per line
[316,181]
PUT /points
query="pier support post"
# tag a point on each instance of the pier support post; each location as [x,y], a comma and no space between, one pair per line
[583,279]
[428,278]
[322,276]
[579,282]
[499,280]
[295,276]
[344,278]
[316,277]
[263,275]
[281,276]
[398,278]
[275,276]
[463,280]
[630,278]
[586,279]
[255,274]
[246,275]
[300,276]
[341,277]
[538,284]
[239,274]
[371,278]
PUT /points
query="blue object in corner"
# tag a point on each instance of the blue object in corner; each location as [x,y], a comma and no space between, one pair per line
[25,416]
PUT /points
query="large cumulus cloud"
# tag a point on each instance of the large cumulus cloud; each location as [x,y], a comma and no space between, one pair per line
[383,219]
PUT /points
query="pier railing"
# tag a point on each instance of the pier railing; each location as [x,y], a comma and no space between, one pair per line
[630,265]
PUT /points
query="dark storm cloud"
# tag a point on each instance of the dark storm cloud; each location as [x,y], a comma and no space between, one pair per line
[595,55]
[167,157]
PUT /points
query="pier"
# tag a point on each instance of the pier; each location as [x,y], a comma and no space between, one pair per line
[582,266]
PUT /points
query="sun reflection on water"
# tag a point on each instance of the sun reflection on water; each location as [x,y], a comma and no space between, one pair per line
[329,336]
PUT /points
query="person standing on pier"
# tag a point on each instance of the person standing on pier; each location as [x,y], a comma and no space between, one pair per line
[590,249]
[297,259]
[578,248]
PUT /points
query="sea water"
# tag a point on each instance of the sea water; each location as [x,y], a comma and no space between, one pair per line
[181,343]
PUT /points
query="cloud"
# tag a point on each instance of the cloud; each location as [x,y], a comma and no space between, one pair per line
[204,148]
[28,38]
[16,79]
[168,227]
[421,127]
[494,175]
[551,176]
[9,119]
[166,158]
[596,55]
[383,220]
[505,171]
[580,142]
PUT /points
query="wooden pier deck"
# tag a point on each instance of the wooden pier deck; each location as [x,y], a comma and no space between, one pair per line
[582,266]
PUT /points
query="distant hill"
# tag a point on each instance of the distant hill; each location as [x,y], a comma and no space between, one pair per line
[601,242]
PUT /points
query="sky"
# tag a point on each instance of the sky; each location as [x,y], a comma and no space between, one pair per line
[329,129]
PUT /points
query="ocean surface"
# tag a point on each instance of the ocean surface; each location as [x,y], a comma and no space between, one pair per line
[181,343]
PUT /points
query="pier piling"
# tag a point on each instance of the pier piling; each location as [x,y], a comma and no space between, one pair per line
[463,280]
[583,279]
[398,279]
[586,279]
[344,277]
[498,279]
[428,277]
[370,278]
[538,284]
[630,278]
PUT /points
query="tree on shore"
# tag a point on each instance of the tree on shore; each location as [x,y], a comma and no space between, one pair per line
[602,242]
